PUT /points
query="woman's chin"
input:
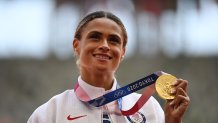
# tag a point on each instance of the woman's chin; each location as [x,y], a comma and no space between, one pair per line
[101,68]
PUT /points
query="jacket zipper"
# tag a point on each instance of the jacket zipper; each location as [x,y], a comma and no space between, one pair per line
[109,116]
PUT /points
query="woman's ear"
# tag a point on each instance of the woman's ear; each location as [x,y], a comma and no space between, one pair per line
[123,53]
[76,46]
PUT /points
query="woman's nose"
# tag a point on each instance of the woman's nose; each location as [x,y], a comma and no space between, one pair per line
[104,45]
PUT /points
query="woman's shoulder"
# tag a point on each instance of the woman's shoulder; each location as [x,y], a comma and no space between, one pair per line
[63,96]
[52,105]
[59,98]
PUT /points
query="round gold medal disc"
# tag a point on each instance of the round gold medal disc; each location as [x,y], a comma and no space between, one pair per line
[163,86]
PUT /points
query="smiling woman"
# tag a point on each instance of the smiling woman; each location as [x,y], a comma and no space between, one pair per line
[99,51]
[100,45]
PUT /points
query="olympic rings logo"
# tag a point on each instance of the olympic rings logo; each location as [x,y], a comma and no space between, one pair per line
[119,93]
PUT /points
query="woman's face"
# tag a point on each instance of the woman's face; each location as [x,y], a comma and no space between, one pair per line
[101,46]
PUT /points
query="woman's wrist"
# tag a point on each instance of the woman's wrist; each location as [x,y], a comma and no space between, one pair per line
[170,119]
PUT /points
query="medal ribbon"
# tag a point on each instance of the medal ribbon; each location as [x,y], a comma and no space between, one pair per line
[121,92]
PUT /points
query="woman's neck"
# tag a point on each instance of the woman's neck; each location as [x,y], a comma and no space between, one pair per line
[98,79]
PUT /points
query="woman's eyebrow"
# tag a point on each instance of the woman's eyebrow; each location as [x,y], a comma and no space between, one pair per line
[95,32]
[114,35]
[100,34]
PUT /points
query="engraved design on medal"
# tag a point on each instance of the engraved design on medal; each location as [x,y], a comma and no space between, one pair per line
[163,86]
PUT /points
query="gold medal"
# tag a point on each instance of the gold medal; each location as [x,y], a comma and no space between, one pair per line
[163,86]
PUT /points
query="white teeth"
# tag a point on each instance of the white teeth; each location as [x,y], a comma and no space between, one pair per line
[103,57]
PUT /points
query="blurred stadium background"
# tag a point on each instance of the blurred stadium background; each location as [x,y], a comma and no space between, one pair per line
[176,36]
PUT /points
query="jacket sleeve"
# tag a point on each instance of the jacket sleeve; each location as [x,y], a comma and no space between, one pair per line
[44,114]
[40,115]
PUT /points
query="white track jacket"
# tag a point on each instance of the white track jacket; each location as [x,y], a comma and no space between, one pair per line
[67,108]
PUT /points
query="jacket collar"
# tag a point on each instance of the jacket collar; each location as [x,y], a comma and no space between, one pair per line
[94,92]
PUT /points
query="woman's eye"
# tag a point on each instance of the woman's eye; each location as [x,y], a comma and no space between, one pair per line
[94,36]
[114,40]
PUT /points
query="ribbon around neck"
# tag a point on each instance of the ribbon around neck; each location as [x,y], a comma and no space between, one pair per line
[117,94]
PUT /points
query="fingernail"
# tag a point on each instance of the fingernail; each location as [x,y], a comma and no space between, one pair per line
[171,103]
[174,83]
[173,90]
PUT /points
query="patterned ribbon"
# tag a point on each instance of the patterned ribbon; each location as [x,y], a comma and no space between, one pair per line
[117,94]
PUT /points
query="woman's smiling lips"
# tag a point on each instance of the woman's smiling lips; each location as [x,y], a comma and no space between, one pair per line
[102,56]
